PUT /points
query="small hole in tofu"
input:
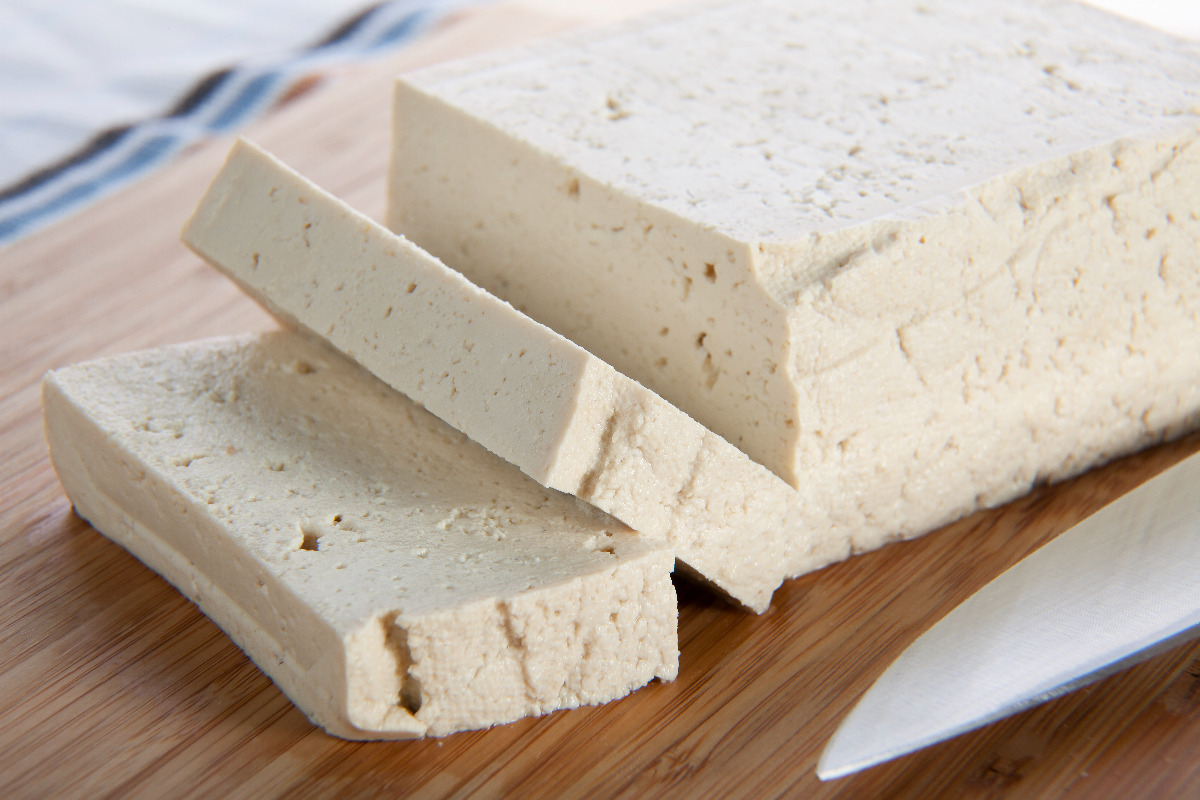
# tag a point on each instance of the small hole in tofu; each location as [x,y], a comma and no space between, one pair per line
[412,287]
[310,536]
[711,373]
[396,640]
[710,272]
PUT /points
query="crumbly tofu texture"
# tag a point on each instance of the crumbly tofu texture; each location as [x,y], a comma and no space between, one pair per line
[913,256]
[564,417]
[393,578]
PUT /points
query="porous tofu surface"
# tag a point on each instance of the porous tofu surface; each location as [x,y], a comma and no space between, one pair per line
[913,256]
[563,416]
[392,577]
[775,121]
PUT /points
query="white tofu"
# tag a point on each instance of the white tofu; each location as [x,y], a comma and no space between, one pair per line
[913,256]
[393,578]
[564,417]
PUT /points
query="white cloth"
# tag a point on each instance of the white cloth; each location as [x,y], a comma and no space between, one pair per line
[74,70]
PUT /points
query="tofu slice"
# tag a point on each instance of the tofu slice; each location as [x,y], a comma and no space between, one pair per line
[561,415]
[913,256]
[393,578]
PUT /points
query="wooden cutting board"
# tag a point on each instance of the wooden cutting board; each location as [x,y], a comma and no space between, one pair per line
[112,684]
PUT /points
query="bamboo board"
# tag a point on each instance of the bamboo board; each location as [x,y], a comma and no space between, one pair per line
[112,684]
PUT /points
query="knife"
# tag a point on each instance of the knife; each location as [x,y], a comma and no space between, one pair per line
[1119,587]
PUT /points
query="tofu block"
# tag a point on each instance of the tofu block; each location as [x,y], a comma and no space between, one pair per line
[563,416]
[913,256]
[393,578]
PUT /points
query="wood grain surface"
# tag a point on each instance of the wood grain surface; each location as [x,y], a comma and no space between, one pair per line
[113,685]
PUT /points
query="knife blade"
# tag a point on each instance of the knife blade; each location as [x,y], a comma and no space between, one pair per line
[1119,587]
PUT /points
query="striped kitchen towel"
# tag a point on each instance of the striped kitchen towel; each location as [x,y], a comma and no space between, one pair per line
[91,100]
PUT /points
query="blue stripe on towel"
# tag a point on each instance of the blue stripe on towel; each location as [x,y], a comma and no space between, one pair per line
[73,194]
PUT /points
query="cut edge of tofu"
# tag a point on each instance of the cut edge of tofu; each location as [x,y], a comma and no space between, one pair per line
[365,683]
[710,281]
[605,438]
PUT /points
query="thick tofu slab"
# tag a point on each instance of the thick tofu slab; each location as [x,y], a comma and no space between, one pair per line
[914,256]
[566,418]
[393,578]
